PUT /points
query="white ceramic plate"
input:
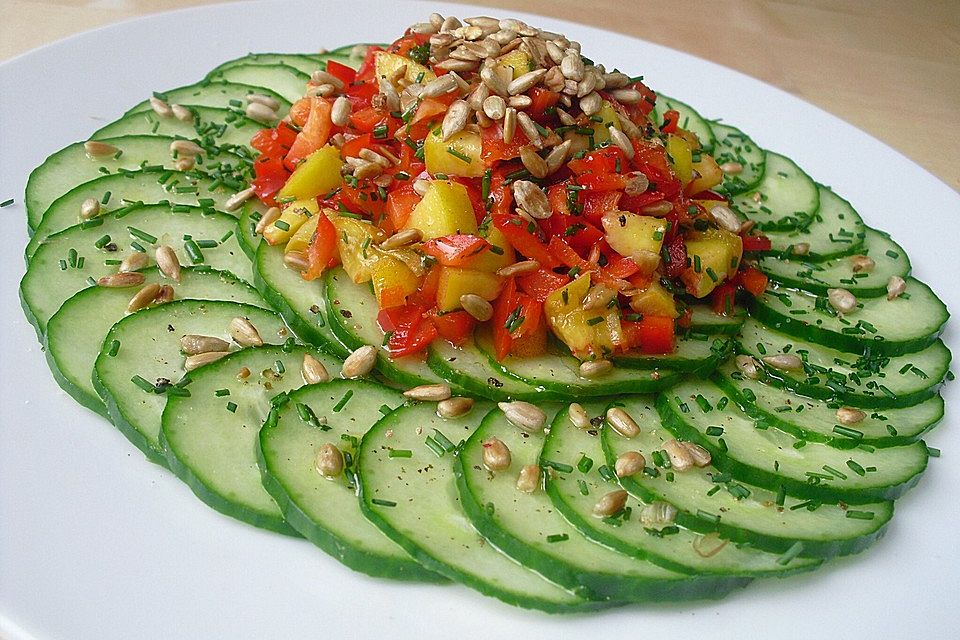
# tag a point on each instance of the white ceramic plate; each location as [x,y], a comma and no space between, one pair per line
[97,543]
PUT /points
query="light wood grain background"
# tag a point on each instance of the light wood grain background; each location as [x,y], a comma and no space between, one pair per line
[890,67]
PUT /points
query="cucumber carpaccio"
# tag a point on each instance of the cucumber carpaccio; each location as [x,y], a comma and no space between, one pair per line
[799,433]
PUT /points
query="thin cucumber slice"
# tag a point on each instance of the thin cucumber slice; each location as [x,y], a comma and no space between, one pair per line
[733,145]
[248,228]
[469,368]
[214,94]
[71,166]
[289,82]
[218,126]
[690,120]
[875,382]
[695,354]
[704,320]
[701,412]
[739,512]
[75,333]
[325,511]
[559,375]
[527,528]
[301,303]
[67,261]
[836,230]
[303,62]
[816,421]
[209,437]
[788,198]
[119,191]
[905,324]
[414,501]
[575,494]
[890,260]
[352,313]
[150,351]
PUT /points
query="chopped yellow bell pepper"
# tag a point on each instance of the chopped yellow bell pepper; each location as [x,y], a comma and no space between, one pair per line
[444,210]
[456,281]
[681,157]
[654,301]
[301,239]
[387,64]
[458,156]
[355,241]
[319,173]
[497,258]
[585,332]
[714,256]
[517,61]
[608,116]
[632,234]
[709,174]
[392,279]
[292,217]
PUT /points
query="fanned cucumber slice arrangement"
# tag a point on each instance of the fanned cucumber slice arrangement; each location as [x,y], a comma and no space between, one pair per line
[771,439]
[324,509]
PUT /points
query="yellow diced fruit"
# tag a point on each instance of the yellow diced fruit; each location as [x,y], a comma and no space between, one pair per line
[608,117]
[455,282]
[293,216]
[392,279]
[709,173]
[714,256]
[491,260]
[448,157]
[654,301]
[517,61]
[584,332]
[444,210]
[387,64]
[319,173]
[633,235]
[681,157]
[355,240]
[300,240]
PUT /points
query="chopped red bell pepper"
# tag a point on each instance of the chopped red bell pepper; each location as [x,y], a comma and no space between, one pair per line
[756,243]
[514,228]
[515,315]
[542,283]
[655,334]
[315,132]
[455,327]
[400,204]
[454,250]
[671,119]
[723,298]
[322,251]
[409,332]
[753,281]
[677,253]
[341,71]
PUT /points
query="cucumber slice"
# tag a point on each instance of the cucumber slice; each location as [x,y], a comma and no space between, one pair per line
[218,126]
[788,198]
[214,94]
[575,494]
[704,320]
[469,368]
[890,259]
[150,348]
[771,458]
[836,231]
[301,303]
[248,228]
[815,421]
[209,437]
[352,313]
[877,382]
[890,327]
[414,502]
[71,166]
[695,354]
[823,532]
[325,511]
[354,52]
[75,333]
[303,62]
[690,120]
[54,274]
[526,528]
[733,145]
[559,375]
[151,187]
[289,82]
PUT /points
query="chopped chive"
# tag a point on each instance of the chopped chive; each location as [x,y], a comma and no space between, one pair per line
[142,235]
[559,466]
[444,441]
[102,242]
[434,446]
[856,468]
[860,515]
[584,490]
[795,550]
[279,368]
[207,244]
[706,515]
[558,537]
[606,473]
[143,383]
[193,251]
[6,203]
[585,464]
[781,495]
[714,431]
[383,503]
[114,349]
[232,407]
[400,453]
[933,452]
[458,155]
[283,225]
[343,401]
[221,392]
[848,432]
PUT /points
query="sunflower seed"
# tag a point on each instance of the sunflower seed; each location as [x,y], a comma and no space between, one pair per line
[185,163]
[517,268]
[536,165]
[235,201]
[529,128]
[340,113]
[615,80]
[143,298]
[493,81]
[260,113]
[496,455]
[271,103]
[160,107]
[731,168]
[403,238]
[455,119]
[133,262]
[121,280]
[629,463]
[626,96]
[528,480]
[509,124]
[680,457]
[701,457]
[572,67]
[555,52]
[610,504]
[895,287]
[620,139]
[90,208]
[185,148]
[635,183]
[532,199]
[658,514]
[862,264]
[476,306]
[842,300]
[244,333]
[622,422]
[312,370]
[523,415]
[578,416]
[454,407]
[296,260]
[784,362]
[97,149]
[591,103]
[595,368]
[329,460]
[193,362]
[439,86]
[725,218]
[360,362]
[748,366]
[270,216]
[526,81]
[494,107]
[182,113]
[193,344]
[322,77]
[557,156]
[429,392]
[661,208]
[452,64]
[800,248]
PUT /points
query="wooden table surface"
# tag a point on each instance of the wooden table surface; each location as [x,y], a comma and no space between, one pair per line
[891,68]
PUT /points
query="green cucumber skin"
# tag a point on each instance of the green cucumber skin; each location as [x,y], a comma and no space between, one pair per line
[120,422]
[587,584]
[801,433]
[699,368]
[736,184]
[305,330]
[822,235]
[765,542]
[482,388]
[183,95]
[143,122]
[840,341]
[753,474]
